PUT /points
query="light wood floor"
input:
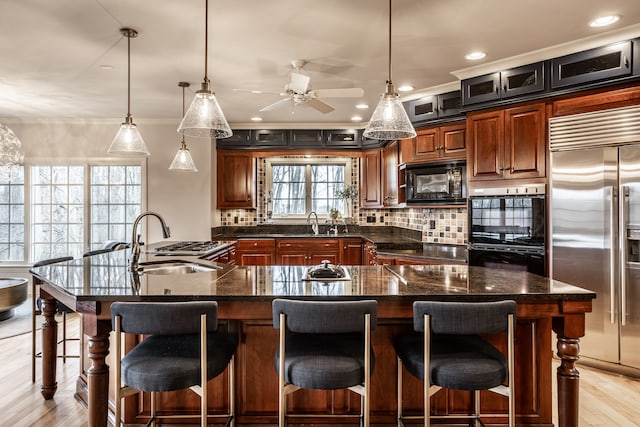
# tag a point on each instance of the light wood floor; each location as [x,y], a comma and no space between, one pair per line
[606,400]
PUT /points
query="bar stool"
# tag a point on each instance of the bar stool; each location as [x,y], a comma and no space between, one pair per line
[454,355]
[35,300]
[324,345]
[183,350]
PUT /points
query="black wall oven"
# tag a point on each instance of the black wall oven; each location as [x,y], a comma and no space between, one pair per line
[507,228]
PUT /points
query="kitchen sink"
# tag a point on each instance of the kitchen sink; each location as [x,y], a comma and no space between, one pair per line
[175,267]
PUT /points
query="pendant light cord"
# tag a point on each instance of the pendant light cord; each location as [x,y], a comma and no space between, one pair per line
[389,81]
[206,38]
[129,75]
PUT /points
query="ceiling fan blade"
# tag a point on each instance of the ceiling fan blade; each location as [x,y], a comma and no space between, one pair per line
[275,104]
[299,82]
[321,106]
[349,92]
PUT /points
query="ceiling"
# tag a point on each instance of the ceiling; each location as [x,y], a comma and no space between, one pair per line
[66,59]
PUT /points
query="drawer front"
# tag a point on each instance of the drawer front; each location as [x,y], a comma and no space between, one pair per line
[247,245]
[308,244]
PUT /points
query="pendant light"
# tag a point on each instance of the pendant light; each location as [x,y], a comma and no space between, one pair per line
[389,120]
[183,160]
[128,141]
[204,117]
[11,155]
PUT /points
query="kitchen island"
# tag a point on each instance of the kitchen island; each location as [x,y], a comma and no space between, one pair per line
[90,285]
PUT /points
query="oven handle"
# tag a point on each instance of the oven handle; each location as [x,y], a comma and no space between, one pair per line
[507,249]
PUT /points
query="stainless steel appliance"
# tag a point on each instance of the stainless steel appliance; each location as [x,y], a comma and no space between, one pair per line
[507,228]
[595,225]
[443,183]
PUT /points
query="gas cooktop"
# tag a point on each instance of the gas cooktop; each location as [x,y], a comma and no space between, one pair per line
[188,248]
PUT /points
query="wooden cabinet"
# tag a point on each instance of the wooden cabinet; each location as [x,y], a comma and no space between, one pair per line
[343,138]
[351,251]
[435,144]
[507,144]
[504,84]
[601,63]
[370,185]
[390,155]
[302,251]
[225,256]
[255,252]
[236,185]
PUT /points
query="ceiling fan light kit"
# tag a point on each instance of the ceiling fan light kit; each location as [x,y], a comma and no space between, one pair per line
[205,118]
[183,160]
[389,120]
[128,140]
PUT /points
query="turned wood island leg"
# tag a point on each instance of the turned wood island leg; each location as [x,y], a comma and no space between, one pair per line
[97,332]
[568,330]
[49,346]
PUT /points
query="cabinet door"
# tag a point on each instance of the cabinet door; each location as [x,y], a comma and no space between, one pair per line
[306,138]
[292,251]
[425,146]
[453,141]
[351,252]
[591,65]
[522,80]
[370,179]
[449,104]
[255,252]
[485,148]
[235,180]
[525,141]
[481,89]
[270,138]
[343,138]
[422,109]
[240,138]
[390,174]
[317,258]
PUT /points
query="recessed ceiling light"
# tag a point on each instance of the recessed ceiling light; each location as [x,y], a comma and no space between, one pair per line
[405,88]
[362,106]
[256,119]
[356,118]
[603,21]
[105,67]
[474,56]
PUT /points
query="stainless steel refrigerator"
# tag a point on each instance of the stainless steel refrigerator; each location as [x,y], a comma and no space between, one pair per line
[595,224]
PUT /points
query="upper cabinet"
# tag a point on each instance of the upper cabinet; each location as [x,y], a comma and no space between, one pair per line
[504,84]
[370,182]
[274,139]
[507,144]
[390,154]
[434,107]
[236,185]
[592,65]
[438,143]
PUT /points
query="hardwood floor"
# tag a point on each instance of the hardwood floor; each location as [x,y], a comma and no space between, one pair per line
[606,400]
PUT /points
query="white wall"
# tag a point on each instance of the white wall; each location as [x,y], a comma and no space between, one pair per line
[183,199]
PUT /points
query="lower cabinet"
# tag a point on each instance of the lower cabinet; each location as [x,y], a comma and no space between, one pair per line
[299,251]
[305,252]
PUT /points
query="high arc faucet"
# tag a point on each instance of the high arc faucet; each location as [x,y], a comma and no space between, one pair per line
[135,237]
[314,227]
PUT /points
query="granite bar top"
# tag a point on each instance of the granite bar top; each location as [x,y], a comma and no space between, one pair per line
[106,277]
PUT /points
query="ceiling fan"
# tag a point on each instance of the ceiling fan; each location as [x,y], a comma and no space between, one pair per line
[298,91]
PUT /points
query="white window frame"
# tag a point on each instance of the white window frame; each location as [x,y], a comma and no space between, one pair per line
[298,219]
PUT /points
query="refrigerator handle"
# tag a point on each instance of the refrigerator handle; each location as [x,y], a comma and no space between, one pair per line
[624,206]
[612,254]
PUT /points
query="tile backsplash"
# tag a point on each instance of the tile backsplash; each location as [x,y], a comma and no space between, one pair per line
[438,225]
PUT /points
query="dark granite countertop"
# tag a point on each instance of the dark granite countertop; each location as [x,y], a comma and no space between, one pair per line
[106,277]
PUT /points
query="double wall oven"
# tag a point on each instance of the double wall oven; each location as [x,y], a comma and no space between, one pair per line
[507,228]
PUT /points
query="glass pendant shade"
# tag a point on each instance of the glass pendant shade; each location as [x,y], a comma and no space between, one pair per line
[204,118]
[183,160]
[128,141]
[389,120]
[11,156]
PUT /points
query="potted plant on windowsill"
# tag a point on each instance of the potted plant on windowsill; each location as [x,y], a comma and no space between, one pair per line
[349,193]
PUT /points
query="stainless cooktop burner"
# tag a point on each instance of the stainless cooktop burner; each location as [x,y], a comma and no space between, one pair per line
[188,248]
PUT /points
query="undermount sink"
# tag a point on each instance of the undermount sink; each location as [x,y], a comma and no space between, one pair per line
[175,267]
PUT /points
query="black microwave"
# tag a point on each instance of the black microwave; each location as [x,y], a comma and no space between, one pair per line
[441,184]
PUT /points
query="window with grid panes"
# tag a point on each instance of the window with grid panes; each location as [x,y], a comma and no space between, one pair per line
[12,216]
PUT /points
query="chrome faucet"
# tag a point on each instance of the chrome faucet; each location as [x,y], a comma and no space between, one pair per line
[314,227]
[135,238]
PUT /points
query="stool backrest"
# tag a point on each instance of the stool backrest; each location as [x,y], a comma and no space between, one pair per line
[463,318]
[319,317]
[165,318]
